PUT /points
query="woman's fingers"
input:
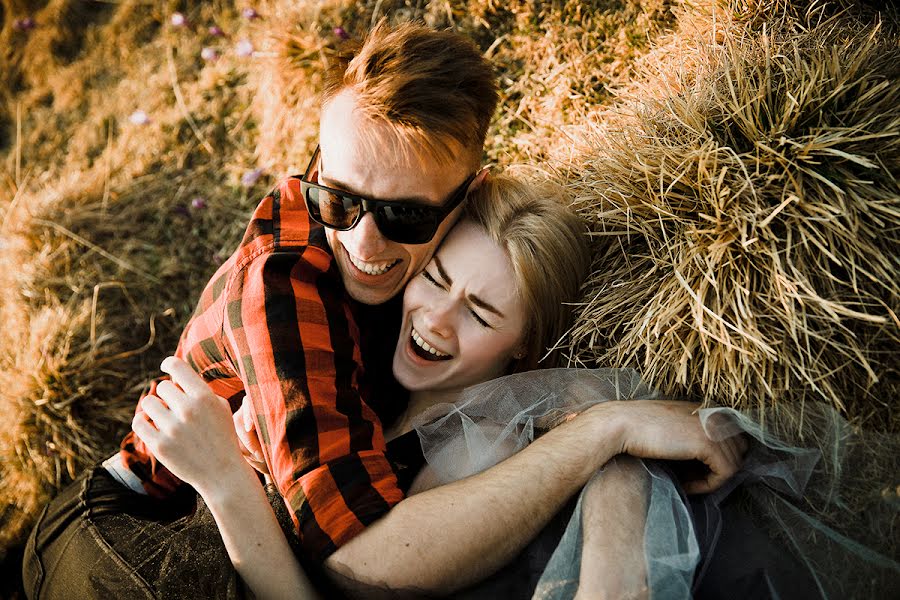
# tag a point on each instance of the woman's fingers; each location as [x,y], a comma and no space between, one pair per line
[154,408]
[188,379]
[172,395]
[141,425]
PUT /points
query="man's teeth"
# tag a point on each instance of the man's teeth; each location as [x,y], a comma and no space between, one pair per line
[372,268]
[426,346]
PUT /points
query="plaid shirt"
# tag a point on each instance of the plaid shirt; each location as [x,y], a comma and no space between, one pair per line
[275,323]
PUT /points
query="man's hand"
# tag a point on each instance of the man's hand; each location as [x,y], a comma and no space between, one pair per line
[671,430]
[190,429]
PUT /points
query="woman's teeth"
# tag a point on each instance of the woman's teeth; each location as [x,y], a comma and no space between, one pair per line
[428,347]
[378,268]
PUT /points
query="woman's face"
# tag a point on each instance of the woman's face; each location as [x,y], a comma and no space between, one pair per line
[462,317]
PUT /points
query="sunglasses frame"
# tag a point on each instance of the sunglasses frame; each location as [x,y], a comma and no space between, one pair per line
[372,206]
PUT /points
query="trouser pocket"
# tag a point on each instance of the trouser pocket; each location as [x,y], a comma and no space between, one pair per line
[32,569]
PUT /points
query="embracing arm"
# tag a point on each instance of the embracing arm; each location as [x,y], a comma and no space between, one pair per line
[449,537]
[193,435]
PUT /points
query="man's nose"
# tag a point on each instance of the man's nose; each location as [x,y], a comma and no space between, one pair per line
[365,240]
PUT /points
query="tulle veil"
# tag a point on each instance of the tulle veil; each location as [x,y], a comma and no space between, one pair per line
[799,490]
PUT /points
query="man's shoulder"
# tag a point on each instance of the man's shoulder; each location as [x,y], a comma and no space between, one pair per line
[282,223]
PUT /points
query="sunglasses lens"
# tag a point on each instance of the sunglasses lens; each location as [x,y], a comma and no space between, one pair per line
[331,209]
[407,224]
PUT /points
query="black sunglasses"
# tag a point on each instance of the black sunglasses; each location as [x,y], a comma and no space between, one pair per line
[400,221]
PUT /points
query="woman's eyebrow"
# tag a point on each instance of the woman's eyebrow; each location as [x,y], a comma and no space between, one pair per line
[441,271]
[471,297]
[486,306]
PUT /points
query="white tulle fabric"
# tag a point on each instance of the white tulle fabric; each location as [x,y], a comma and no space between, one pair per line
[493,420]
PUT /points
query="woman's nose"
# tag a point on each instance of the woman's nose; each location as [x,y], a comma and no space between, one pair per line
[365,240]
[439,318]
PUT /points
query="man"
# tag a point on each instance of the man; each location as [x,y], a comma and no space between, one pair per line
[401,135]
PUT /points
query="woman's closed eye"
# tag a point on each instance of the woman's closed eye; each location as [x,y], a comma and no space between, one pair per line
[431,280]
[481,321]
[428,277]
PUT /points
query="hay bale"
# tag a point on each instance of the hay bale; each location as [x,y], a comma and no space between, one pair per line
[747,230]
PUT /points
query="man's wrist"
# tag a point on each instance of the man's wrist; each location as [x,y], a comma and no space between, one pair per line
[609,423]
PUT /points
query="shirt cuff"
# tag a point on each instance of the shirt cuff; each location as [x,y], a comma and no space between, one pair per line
[122,474]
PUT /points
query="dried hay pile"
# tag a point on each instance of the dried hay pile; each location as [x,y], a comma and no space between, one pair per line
[749,249]
[747,236]
[103,251]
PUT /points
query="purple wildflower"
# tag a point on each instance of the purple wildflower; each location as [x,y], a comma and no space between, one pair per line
[341,33]
[244,48]
[25,24]
[178,20]
[209,54]
[198,203]
[250,14]
[216,31]
[139,117]
[249,178]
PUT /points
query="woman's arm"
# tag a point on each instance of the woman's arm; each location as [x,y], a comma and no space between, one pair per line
[192,433]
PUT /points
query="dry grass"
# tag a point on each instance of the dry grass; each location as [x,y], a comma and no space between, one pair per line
[750,229]
[103,256]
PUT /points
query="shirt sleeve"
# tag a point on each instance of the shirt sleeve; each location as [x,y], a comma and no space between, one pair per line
[296,346]
[201,347]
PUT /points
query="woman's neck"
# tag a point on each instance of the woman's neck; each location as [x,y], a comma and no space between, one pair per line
[418,403]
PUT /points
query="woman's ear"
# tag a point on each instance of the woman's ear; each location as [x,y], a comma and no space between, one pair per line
[480,178]
[519,354]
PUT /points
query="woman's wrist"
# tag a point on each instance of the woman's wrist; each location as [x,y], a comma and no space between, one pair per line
[231,485]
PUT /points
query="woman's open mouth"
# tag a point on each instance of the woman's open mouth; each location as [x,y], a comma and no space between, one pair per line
[424,350]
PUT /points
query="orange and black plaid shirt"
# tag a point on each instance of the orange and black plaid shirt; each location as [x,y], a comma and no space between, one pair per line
[275,323]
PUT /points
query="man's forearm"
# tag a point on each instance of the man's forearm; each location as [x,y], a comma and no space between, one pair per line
[449,537]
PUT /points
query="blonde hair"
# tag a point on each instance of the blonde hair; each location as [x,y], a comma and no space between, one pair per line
[431,87]
[548,248]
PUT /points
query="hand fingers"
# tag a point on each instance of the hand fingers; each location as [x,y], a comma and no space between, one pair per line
[246,410]
[154,408]
[186,377]
[144,429]
[720,470]
[172,395]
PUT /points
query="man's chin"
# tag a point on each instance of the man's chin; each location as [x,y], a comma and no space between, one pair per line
[371,295]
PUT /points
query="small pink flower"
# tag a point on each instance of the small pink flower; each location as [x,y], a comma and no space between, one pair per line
[198,203]
[341,33]
[216,31]
[244,48]
[250,14]
[209,54]
[25,24]
[178,20]
[249,178]
[139,117]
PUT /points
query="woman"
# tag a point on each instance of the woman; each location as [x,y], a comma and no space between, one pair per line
[490,303]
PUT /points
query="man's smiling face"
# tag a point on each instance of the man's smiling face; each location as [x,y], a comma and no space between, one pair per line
[367,158]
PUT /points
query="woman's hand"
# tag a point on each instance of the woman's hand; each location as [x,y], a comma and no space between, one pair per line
[671,430]
[190,429]
[250,445]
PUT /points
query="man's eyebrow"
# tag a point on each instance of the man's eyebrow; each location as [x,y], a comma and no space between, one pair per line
[471,297]
[351,190]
